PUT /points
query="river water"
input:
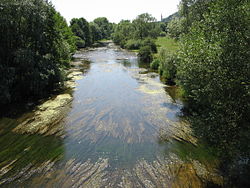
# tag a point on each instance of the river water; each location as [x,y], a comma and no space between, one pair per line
[121,129]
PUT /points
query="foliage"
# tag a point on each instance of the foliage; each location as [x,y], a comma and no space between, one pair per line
[89,33]
[137,44]
[145,26]
[176,27]
[166,63]
[163,34]
[163,27]
[191,11]
[36,44]
[104,26]
[81,29]
[133,44]
[79,42]
[65,32]
[133,35]
[145,54]
[151,43]
[214,73]
[95,32]
[123,32]
[155,64]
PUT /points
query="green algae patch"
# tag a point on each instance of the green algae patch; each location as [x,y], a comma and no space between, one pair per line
[47,117]
[147,90]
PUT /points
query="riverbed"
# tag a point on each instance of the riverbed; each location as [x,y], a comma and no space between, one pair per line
[117,126]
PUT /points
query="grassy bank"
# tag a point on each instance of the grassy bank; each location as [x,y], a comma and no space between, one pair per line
[168,43]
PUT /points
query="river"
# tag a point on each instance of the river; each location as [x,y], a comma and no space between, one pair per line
[119,126]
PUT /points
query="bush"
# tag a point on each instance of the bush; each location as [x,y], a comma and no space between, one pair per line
[80,43]
[155,64]
[145,54]
[163,34]
[151,43]
[167,65]
[133,44]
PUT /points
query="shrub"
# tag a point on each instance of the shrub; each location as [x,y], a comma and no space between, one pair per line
[133,44]
[150,42]
[145,54]
[168,65]
[155,64]
[163,34]
[79,42]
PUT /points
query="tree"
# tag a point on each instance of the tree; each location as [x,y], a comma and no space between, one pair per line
[105,27]
[66,33]
[214,73]
[145,26]
[176,27]
[81,29]
[145,54]
[35,48]
[95,32]
[123,32]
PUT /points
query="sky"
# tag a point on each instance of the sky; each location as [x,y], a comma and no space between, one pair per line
[114,10]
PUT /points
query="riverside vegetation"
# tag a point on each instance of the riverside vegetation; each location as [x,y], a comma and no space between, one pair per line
[203,49]
[37,46]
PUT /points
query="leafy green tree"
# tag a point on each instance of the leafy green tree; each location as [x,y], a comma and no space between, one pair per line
[145,54]
[35,48]
[191,11]
[151,43]
[95,32]
[81,29]
[105,27]
[123,31]
[67,35]
[138,33]
[176,27]
[168,65]
[145,26]
[214,73]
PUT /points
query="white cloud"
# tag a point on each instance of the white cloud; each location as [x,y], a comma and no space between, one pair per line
[114,10]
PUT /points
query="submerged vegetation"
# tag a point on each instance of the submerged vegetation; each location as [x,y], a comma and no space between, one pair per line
[203,49]
[208,57]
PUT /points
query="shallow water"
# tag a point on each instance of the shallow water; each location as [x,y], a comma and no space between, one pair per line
[112,133]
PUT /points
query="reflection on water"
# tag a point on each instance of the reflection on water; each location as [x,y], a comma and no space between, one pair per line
[111,133]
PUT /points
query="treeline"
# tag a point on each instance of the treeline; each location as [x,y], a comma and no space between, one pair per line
[89,33]
[138,35]
[212,67]
[36,46]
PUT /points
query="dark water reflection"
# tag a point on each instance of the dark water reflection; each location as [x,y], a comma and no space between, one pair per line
[118,110]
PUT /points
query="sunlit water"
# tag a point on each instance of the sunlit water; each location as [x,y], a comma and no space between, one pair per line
[111,133]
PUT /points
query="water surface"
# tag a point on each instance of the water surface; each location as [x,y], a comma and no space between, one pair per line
[111,134]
